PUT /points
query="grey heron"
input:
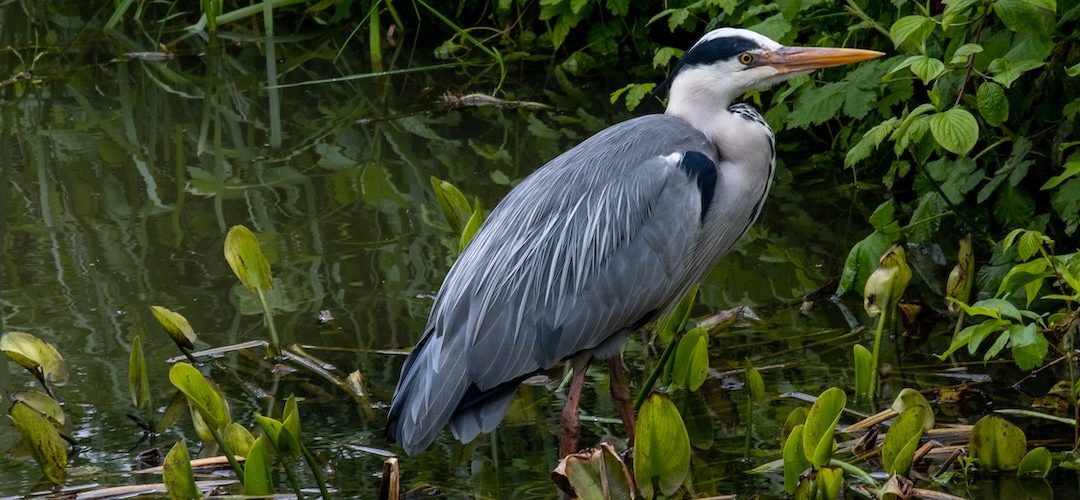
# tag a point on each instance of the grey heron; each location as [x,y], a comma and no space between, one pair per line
[599,241]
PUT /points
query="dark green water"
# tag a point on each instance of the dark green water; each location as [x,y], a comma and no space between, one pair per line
[119,178]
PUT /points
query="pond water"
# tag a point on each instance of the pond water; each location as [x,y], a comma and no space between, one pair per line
[121,174]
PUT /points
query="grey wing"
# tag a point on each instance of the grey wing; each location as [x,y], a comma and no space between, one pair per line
[570,258]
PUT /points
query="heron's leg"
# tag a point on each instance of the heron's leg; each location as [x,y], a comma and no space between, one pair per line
[570,424]
[620,395]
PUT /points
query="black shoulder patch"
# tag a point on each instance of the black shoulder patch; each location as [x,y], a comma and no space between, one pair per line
[701,169]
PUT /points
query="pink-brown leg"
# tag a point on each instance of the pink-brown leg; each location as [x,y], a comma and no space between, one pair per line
[620,396]
[570,423]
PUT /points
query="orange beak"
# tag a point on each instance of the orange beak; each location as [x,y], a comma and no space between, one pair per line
[798,59]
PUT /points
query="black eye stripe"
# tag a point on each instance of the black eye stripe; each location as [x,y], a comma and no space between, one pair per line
[718,49]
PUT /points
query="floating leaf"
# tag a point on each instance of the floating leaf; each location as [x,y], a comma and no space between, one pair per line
[1037,462]
[661,447]
[203,397]
[795,461]
[42,439]
[955,130]
[39,357]
[138,380]
[179,480]
[258,481]
[43,404]
[594,473]
[821,422]
[902,440]
[176,325]
[997,444]
[246,259]
[691,364]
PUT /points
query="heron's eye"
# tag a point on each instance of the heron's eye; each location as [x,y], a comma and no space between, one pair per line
[746,58]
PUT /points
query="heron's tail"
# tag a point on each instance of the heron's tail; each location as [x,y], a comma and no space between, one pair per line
[434,390]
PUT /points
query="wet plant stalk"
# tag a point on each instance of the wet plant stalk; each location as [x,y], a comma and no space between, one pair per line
[293,483]
[239,471]
[657,370]
[274,342]
[315,471]
[886,315]
[749,425]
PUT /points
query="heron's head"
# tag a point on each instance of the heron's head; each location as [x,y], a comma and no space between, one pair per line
[728,62]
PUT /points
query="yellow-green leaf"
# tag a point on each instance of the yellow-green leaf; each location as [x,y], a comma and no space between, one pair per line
[1037,462]
[661,447]
[453,203]
[754,382]
[992,104]
[674,321]
[795,461]
[43,404]
[203,397]
[910,28]
[138,381]
[997,444]
[955,130]
[34,354]
[902,440]
[864,371]
[467,233]
[176,325]
[238,439]
[179,480]
[908,398]
[246,259]
[258,480]
[691,364]
[817,436]
[42,439]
